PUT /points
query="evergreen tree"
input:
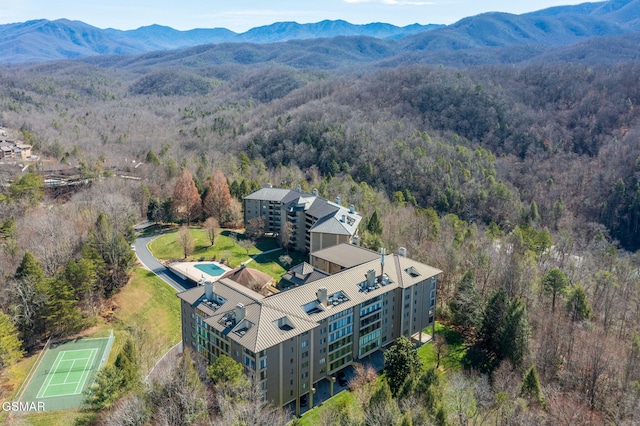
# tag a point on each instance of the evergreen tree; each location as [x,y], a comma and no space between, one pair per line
[465,305]
[226,370]
[513,334]
[63,313]
[531,388]
[577,304]
[492,318]
[401,363]
[373,224]
[126,363]
[553,282]
[106,388]
[30,268]
[10,344]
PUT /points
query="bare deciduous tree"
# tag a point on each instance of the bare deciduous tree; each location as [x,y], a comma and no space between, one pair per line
[211,225]
[186,241]
[363,383]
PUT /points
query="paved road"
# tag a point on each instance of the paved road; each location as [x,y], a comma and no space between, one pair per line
[150,262]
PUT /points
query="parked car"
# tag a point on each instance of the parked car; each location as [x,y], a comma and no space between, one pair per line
[342,379]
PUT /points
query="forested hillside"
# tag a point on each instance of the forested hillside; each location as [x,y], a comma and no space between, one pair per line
[520,182]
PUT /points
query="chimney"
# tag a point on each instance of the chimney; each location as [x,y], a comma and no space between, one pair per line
[402,252]
[352,209]
[338,201]
[239,312]
[208,290]
[315,192]
[355,240]
[268,185]
[383,251]
[321,294]
[371,278]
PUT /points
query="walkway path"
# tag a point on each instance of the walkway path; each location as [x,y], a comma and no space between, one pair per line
[150,263]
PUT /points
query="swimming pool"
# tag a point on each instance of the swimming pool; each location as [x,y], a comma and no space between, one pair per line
[210,268]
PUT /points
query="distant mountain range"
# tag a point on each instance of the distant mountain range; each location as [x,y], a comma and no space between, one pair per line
[485,38]
[44,40]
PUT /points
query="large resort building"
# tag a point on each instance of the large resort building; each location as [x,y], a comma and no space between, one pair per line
[347,304]
[314,222]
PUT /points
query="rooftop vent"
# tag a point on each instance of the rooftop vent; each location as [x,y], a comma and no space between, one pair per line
[352,209]
[299,188]
[268,185]
[402,252]
[315,192]
[239,312]
[208,290]
[355,240]
[321,294]
[338,201]
[371,278]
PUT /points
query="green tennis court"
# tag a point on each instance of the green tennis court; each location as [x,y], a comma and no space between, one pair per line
[69,373]
[64,371]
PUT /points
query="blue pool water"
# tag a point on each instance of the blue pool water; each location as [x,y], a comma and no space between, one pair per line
[210,268]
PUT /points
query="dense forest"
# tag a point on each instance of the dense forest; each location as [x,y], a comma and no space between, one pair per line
[521,183]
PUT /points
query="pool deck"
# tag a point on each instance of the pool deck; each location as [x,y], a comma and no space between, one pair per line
[188,270]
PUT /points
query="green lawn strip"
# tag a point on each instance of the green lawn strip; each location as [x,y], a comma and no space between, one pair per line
[167,247]
[147,306]
[312,417]
[55,418]
[452,357]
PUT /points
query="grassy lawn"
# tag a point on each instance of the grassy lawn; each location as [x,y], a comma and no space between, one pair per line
[167,247]
[149,311]
[344,398]
[146,310]
[453,356]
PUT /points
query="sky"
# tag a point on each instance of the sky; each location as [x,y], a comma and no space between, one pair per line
[242,15]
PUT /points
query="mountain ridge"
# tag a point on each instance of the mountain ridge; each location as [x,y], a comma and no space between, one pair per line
[311,45]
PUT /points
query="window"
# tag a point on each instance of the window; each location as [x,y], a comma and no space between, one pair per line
[305,354]
[263,363]
[322,361]
[304,344]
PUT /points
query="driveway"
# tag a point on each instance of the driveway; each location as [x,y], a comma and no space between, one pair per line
[148,261]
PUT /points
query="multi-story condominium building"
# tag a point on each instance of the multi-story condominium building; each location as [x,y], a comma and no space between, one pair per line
[298,340]
[314,223]
[12,150]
